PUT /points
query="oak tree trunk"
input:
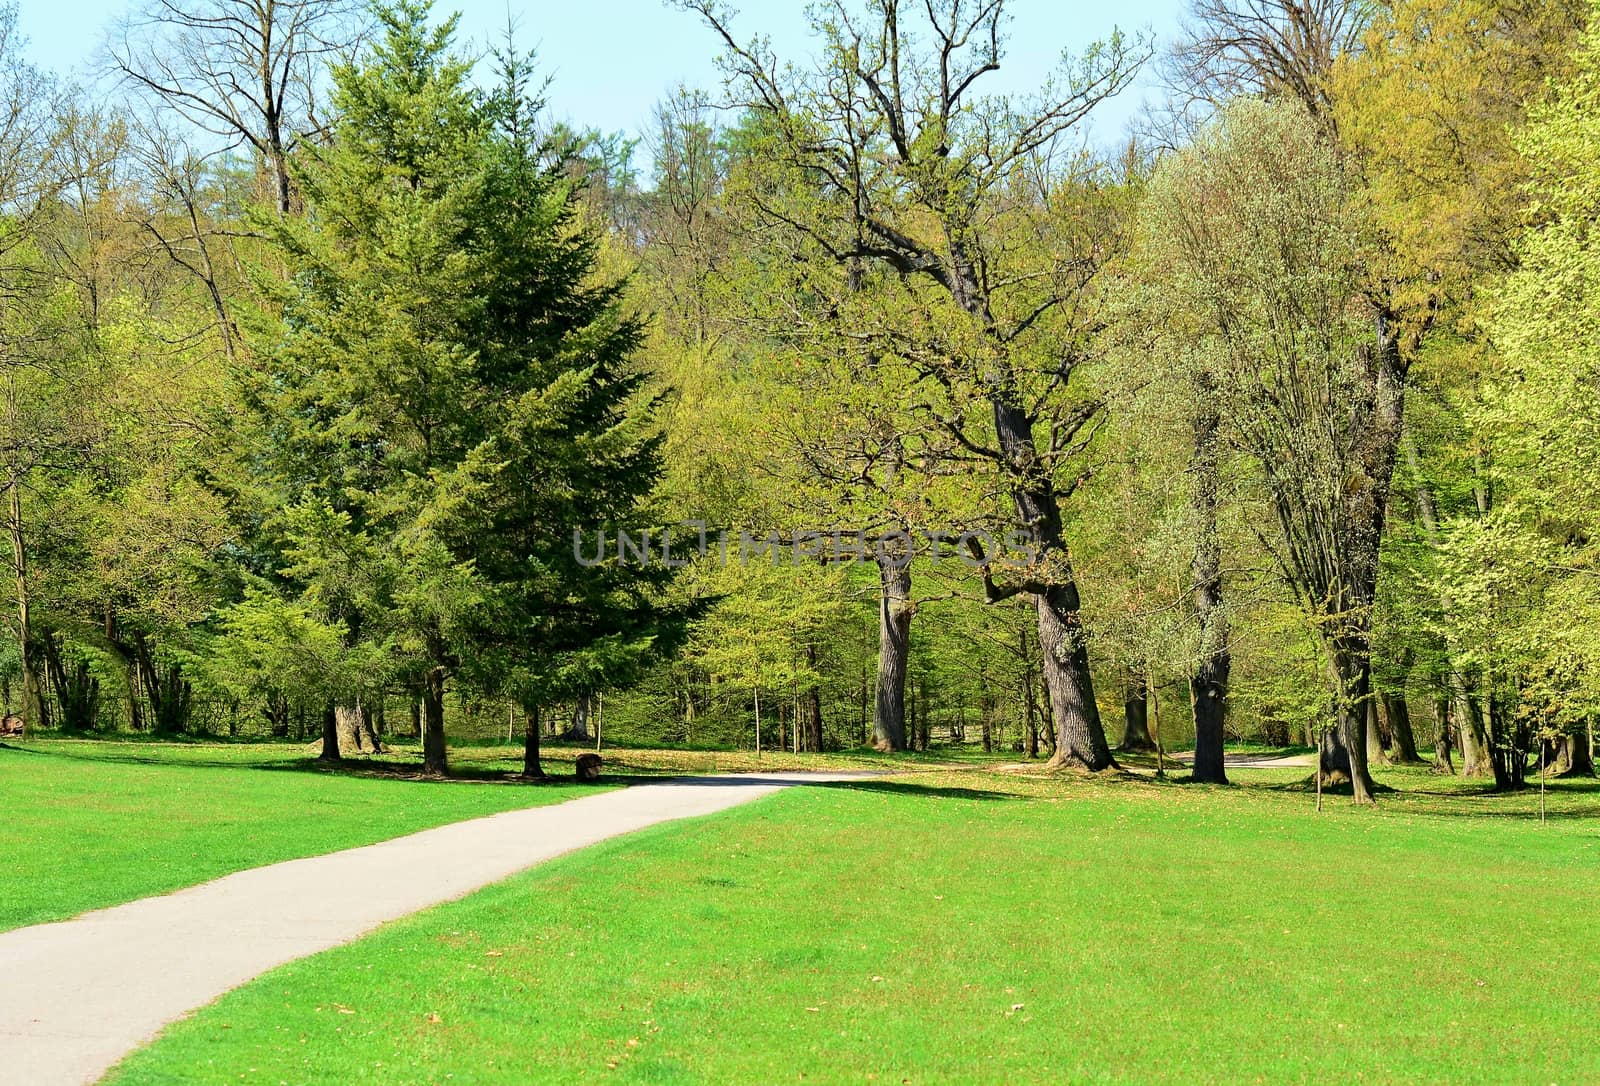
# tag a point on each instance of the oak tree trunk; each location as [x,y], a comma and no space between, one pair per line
[1080,737]
[366,727]
[1135,712]
[1575,755]
[1344,747]
[1398,713]
[1468,715]
[349,725]
[895,610]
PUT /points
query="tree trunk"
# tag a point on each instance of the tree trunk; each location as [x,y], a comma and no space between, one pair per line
[1468,713]
[364,722]
[1344,747]
[1029,704]
[1032,719]
[813,737]
[1136,712]
[1208,685]
[1080,738]
[32,690]
[434,761]
[130,670]
[1576,756]
[1398,713]
[1376,755]
[1469,721]
[1508,748]
[895,610]
[1208,693]
[330,734]
[1442,762]
[349,725]
[579,732]
[924,723]
[531,767]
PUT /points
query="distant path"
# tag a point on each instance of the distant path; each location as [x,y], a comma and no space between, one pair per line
[77,996]
[1252,761]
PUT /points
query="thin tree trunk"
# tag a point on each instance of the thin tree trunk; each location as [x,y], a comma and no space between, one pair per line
[1469,721]
[32,690]
[434,759]
[813,706]
[1029,704]
[1507,752]
[1442,762]
[924,723]
[531,767]
[1032,719]
[895,610]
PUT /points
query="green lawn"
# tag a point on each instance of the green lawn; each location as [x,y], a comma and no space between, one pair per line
[87,824]
[975,927]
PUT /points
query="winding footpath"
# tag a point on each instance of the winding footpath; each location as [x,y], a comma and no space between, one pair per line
[77,996]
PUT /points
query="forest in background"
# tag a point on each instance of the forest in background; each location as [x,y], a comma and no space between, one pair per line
[327,355]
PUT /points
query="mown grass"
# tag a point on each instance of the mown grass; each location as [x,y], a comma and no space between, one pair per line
[86,824]
[90,823]
[976,927]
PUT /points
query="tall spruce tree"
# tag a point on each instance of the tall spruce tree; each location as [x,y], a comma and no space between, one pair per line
[452,381]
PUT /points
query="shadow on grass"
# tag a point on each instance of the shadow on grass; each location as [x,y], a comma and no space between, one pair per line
[388,767]
[291,762]
[911,788]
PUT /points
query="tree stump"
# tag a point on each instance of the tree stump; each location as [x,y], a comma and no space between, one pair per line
[588,767]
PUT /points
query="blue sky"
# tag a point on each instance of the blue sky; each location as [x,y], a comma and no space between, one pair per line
[613,59]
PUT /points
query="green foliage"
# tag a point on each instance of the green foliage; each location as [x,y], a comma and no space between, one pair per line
[451,396]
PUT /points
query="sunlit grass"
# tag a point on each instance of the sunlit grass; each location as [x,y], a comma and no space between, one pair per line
[87,824]
[976,927]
